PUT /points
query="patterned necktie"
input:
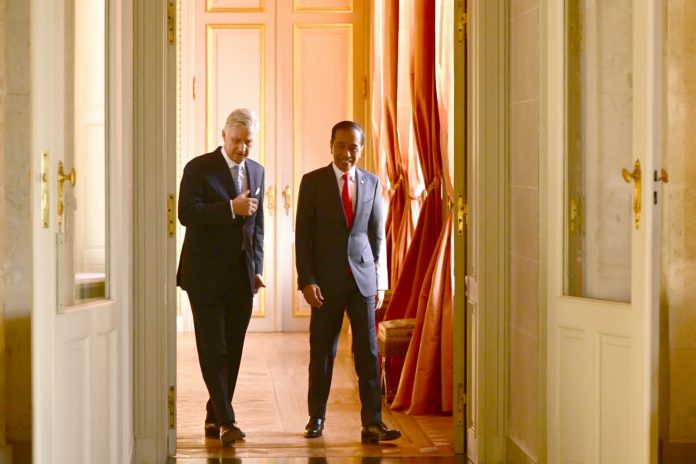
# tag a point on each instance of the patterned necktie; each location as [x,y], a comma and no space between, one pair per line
[235,178]
[347,203]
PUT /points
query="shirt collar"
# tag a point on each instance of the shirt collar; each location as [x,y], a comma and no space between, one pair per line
[230,163]
[339,173]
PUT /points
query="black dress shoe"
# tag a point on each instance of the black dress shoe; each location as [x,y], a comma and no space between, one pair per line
[230,433]
[212,430]
[373,433]
[314,427]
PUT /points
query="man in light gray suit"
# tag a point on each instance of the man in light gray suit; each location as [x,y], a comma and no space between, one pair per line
[339,245]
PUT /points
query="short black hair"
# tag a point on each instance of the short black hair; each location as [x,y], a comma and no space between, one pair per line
[348,125]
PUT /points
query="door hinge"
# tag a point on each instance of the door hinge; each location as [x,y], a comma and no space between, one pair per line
[171,22]
[365,87]
[461,404]
[171,400]
[193,87]
[461,26]
[171,226]
[462,214]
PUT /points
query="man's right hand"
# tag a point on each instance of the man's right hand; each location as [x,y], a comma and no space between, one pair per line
[312,295]
[242,205]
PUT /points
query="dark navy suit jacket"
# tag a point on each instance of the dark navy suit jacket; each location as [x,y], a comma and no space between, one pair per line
[214,240]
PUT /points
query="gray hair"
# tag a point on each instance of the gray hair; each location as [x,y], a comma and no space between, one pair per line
[242,117]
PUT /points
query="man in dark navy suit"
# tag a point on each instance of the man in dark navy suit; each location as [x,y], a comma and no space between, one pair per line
[339,245]
[221,206]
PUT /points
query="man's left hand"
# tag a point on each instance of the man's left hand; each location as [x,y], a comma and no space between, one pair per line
[258,283]
[379,299]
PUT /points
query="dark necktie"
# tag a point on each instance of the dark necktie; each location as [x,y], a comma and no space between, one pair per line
[347,203]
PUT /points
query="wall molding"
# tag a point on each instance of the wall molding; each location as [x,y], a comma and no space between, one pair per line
[677,452]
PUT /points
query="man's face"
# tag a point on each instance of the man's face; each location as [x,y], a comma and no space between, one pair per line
[237,142]
[346,148]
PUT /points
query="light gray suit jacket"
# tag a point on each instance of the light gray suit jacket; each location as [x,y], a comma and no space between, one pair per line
[325,247]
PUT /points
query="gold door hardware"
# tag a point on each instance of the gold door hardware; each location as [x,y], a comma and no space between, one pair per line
[270,199]
[576,215]
[44,190]
[461,403]
[62,177]
[634,176]
[287,199]
[462,214]
[461,26]
[171,403]
[664,177]
[171,22]
[171,226]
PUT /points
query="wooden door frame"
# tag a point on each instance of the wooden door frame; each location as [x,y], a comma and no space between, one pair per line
[154,260]
[488,230]
[154,134]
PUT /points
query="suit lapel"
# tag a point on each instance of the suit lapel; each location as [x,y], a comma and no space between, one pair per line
[222,172]
[359,193]
[252,179]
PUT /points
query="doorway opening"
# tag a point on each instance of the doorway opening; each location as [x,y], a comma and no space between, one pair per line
[274,58]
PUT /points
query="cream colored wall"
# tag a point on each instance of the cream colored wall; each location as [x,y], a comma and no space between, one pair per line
[15,225]
[679,226]
[524,232]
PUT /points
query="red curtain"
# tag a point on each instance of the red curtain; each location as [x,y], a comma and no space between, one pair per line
[424,288]
[425,114]
[426,380]
[398,215]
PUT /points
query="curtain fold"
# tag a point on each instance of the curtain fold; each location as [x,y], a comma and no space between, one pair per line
[425,115]
[426,380]
[424,288]
[398,216]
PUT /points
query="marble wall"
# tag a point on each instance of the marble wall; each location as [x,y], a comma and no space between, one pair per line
[523,438]
[679,234]
[15,221]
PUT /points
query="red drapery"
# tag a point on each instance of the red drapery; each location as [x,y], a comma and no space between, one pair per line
[423,290]
[392,158]
[404,300]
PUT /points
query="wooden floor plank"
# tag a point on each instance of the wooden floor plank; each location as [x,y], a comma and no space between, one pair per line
[271,407]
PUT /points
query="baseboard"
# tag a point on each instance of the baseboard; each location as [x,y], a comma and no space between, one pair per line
[676,452]
[515,455]
[6,454]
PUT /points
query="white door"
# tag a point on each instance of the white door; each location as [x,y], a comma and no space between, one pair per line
[301,66]
[603,116]
[80,236]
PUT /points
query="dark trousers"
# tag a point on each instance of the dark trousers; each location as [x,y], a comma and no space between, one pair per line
[220,323]
[324,331]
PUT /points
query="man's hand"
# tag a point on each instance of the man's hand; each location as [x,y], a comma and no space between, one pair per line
[312,295]
[379,299]
[258,283]
[242,205]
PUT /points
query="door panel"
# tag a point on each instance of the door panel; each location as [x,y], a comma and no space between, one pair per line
[80,286]
[603,119]
[286,61]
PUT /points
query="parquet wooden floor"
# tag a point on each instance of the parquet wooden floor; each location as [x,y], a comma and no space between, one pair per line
[270,404]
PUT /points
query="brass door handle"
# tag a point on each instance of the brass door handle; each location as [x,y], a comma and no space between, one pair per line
[62,177]
[634,176]
[270,199]
[287,199]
